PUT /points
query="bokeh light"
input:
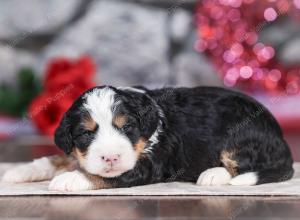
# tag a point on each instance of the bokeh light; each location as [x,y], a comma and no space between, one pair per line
[228,34]
[270,14]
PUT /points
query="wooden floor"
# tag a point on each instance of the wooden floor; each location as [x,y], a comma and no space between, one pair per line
[215,208]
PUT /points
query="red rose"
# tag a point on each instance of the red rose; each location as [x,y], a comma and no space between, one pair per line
[65,81]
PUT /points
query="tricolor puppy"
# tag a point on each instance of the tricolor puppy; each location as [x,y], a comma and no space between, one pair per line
[124,137]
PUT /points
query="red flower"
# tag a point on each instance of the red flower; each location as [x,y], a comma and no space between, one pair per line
[65,81]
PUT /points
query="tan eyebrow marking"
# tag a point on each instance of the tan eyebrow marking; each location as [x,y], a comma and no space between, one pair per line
[62,162]
[120,121]
[89,124]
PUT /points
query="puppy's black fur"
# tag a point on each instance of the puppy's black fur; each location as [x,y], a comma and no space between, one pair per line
[197,126]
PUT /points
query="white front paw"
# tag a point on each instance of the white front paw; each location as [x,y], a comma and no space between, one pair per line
[24,173]
[38,170]
[214,177]
[18,174]
[70,181]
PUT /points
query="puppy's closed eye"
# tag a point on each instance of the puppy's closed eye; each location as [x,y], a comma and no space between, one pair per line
[82,140]
[126,127]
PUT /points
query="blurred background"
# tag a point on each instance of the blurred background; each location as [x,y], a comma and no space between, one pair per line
[52,50]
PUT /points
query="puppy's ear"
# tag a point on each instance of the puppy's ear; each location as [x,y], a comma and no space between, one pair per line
[148,121]
[148,116]
[63,137]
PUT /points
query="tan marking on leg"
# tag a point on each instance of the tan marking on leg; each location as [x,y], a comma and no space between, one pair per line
[140,146]
[227,159]
[97,182]
[63,162]
[119,121]
[89,124]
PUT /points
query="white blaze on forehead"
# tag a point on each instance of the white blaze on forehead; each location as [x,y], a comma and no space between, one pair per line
[100,103]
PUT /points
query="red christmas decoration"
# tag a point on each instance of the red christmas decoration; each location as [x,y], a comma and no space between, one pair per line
[228,34]
[65,81]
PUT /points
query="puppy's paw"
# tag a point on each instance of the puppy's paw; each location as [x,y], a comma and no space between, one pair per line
[19,174]
[246,179]
[37,170]
[70,181]
[214,177]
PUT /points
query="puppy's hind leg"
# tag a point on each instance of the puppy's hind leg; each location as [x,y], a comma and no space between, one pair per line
[39,170]
[259,162]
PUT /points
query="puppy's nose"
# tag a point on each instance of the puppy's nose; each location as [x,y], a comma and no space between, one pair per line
[111,159]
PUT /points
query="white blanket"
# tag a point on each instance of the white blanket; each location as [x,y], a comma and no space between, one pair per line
[289,188]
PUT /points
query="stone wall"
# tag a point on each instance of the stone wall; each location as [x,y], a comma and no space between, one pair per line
[133,42]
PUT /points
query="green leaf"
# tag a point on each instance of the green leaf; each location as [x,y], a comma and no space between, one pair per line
[16,101]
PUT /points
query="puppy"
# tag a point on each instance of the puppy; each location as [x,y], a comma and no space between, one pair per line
[123,137]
